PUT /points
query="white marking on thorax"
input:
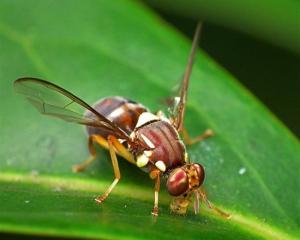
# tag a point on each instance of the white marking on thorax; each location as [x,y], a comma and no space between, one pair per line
[165,119]
[186,157]
[148,153]
[145,117]
[147,141]
[161,165]
[143,159]
[176,101]
[132,135]
[116,113]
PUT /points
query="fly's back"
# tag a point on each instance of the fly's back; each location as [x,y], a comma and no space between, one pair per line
[121,111]
[164,150]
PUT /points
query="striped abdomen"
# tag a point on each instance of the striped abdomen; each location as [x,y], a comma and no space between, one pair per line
[121,111]
[163,140]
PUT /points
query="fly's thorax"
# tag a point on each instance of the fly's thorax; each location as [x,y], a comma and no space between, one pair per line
[163,148]
[121,111]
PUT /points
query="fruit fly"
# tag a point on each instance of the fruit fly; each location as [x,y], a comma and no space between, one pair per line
[128,129]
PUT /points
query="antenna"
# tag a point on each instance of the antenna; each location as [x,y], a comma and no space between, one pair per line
[187,74]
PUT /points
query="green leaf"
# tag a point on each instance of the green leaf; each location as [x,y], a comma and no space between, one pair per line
[101,48]
[276,21]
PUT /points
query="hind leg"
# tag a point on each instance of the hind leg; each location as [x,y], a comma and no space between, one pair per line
[92,139]
[190,141]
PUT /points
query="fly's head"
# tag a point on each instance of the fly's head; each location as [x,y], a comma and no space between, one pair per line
[182,183]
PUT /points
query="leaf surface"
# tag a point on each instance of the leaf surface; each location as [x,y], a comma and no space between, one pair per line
[104,48]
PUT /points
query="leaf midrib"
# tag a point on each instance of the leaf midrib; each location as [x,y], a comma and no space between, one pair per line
[247,223]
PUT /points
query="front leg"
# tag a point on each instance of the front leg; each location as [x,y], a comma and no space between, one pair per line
[92,139]
[220,212]
[155,174]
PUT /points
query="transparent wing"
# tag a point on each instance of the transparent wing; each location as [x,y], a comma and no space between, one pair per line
[178,103]
[50,99]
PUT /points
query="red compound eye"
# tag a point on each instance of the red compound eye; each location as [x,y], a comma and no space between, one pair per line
[200,171]
[177,182]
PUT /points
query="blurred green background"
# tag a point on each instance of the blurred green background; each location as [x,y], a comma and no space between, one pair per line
[268,66]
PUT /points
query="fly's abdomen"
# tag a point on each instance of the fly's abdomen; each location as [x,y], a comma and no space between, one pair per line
[121,111]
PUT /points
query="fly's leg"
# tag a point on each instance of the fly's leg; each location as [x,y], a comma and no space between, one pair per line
[114,147]
[196,202]
[155,174]
[186,137]
[211,206]
[190,141]
[112,144]
[120,149]
[93,138]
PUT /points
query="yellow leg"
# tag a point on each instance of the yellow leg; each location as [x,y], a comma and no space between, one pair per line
[120,150]
[112,144]
[93,138]
[196,202]
[155,175]
[190,141]
[211,206]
